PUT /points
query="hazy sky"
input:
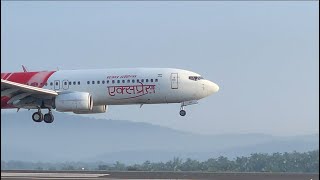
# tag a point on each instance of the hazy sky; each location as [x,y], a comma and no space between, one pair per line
[263,55]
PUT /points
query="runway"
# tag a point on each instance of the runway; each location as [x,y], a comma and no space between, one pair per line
[106,175]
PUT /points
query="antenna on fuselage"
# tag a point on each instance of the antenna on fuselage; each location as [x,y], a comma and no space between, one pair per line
[24,68]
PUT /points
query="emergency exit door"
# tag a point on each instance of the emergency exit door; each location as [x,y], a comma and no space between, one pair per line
[56,84]
[174,80]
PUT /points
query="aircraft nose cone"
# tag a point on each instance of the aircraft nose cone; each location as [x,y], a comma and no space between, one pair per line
[212,87]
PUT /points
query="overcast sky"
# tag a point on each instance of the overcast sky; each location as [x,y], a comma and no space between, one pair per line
[263,55]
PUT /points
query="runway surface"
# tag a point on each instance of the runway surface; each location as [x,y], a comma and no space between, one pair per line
[100,175]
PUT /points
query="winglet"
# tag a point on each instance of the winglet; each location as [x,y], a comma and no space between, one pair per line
[24,68]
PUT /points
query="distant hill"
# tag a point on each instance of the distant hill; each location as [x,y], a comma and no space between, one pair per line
[78,138]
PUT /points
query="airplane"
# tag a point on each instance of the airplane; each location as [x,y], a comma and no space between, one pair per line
[90,91]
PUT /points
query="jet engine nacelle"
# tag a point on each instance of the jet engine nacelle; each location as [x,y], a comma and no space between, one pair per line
[73,101]
[95,109]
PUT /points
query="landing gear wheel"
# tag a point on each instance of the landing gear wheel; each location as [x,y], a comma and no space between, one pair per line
[183,112]
[37,117]
[48,118]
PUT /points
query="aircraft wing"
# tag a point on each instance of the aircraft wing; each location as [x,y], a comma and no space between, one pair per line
[17,91]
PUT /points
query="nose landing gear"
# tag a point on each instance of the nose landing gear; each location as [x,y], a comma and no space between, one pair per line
[186,103]
[182,112]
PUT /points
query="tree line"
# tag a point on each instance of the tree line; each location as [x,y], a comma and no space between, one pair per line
[307,162]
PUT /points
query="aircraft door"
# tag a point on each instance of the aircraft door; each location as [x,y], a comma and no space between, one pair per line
[65,84]
[56,84]
[174,80]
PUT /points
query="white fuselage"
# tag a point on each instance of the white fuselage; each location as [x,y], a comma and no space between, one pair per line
[133,85]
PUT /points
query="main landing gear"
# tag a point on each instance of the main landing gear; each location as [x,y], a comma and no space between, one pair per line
[39,117]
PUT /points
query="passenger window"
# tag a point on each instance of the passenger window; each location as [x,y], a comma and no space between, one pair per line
[98,82]
[118,81]
[142,80]
[123,81]
[88,82]
[156,80]
[151,80]
[92,82]
[69,82]
[65,83]
[74,83]
[113,81]
[107,81]
[128,81]
[147,80]
[57,83]
[138,80]
[51,84]
[132,80]
[78,82]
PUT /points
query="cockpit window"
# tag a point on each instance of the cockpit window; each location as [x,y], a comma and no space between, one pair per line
[195,78]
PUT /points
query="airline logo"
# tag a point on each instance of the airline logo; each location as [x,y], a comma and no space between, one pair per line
[129,91]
